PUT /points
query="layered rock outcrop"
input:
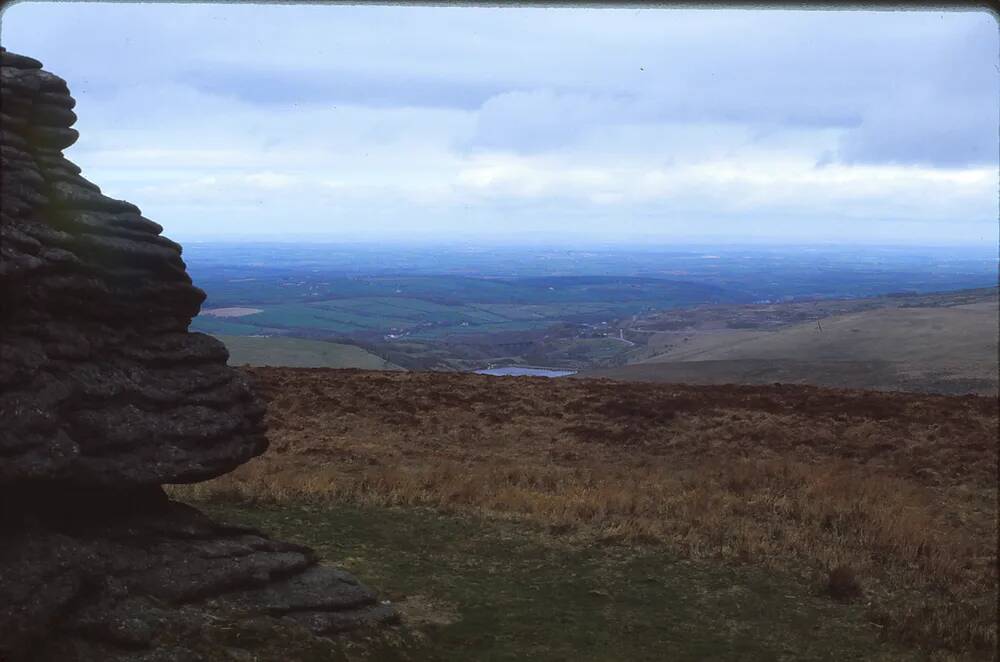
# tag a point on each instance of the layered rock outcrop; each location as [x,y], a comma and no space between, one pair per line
[104,397]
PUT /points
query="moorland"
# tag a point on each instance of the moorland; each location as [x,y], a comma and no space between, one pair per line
[518,517]
[649,507]
[936,343]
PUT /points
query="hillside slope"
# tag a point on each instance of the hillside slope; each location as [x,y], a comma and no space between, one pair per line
[946,349]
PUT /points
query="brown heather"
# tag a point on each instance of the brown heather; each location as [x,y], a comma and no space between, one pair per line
[888,498]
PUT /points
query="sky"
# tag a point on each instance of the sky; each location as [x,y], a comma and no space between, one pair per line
[519,124]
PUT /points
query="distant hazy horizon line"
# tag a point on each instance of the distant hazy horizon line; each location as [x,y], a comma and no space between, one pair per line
[649,244]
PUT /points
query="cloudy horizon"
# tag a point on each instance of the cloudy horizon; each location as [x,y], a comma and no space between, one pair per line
[594,124]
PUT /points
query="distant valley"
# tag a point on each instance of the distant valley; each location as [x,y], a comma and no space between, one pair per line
[885,319]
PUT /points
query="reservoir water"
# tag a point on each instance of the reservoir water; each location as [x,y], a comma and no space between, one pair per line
[524,371]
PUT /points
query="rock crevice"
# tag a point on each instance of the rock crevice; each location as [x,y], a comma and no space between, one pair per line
[104,397]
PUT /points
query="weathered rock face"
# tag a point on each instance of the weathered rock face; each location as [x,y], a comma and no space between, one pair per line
[102,384]
[104,396]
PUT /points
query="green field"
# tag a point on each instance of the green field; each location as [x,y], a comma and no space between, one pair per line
[436,307]
[299,353]
[492,590]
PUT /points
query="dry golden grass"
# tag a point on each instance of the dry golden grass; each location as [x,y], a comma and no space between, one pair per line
[895,492]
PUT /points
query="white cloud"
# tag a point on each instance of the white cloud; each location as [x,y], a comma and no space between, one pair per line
[514,119]
[751,186]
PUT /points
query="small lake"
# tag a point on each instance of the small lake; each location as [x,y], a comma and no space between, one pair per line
[523,371]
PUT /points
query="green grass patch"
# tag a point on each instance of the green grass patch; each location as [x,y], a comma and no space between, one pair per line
[489,590]
[300,353]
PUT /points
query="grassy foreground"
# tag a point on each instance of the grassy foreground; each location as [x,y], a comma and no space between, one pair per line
[489,590]
[889,498]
